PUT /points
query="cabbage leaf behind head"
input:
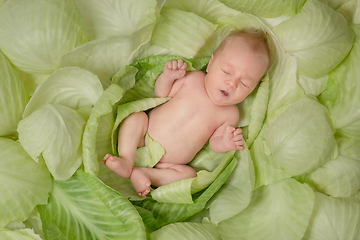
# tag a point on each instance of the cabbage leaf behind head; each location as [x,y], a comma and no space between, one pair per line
[181,32]
[211,10]
[266,8]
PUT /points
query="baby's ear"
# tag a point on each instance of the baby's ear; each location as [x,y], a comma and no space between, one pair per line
[210,61]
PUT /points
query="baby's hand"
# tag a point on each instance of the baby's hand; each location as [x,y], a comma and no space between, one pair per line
[233,139]
[174,69]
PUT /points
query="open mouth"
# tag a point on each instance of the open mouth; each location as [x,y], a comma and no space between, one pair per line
[224,93]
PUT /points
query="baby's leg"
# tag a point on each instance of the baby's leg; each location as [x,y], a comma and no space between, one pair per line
[131,136]
[162,174]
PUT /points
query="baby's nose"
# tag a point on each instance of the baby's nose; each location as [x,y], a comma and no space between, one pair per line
[231,83]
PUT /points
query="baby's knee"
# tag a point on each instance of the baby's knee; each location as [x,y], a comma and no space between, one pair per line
[187,171]
[139,116]
[140,119]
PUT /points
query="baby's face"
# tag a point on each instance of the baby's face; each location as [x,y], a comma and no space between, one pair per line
[234,72]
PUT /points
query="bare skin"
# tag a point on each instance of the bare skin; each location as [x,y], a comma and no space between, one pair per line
[202,108]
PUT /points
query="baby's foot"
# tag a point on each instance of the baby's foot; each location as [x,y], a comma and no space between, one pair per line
[140,181]
[120,166]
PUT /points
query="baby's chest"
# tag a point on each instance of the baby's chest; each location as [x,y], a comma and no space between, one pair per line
[202,120]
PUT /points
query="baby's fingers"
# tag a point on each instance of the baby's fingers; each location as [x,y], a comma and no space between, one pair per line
[183,65]
[175,65]
[237,132]
[238,139]
[168,65]
[240,146]
[229,132]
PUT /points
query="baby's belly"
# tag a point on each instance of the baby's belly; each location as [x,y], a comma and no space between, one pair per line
[180,141]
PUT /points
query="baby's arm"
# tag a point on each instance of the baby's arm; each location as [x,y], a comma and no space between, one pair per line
[165,83]
[230,139]
[227,138]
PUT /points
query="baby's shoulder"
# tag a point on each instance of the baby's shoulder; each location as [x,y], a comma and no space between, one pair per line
[195,79]
[196,75]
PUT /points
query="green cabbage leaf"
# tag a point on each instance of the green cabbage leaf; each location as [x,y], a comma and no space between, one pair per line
[15,95]
[72,87]
[35,42]
[85,208]
[302,138]
[102,18]
[72,70]
[269,9]
[281,210]
[318,36]
[23,183]
[54,132]
[342,93]
[334,217]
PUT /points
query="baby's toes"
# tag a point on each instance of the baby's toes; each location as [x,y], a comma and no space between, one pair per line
[145,192]
[106,157]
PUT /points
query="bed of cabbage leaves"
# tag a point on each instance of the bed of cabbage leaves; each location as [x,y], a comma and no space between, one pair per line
[72,70]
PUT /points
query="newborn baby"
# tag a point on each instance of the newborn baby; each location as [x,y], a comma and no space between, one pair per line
[202,108]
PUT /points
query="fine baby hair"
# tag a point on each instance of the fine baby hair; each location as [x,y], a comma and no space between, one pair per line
[259,38]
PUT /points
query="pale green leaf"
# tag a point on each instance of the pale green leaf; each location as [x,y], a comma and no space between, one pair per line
[181,32]
[35,34]
[85,208]
[266,8]
[104,106]
[302,138]
[342,92]
[237,191]
[334,218]
[102,18]
[73,87]
[211,10]
[318,36]
[281,210]
[54,132]
[186,231]
[13,98]
[23,182]
[339,177]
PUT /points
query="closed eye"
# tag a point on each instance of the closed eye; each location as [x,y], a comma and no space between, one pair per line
[225,72]
[242,83]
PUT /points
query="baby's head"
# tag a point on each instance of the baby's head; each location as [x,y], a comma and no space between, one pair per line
[237,66]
